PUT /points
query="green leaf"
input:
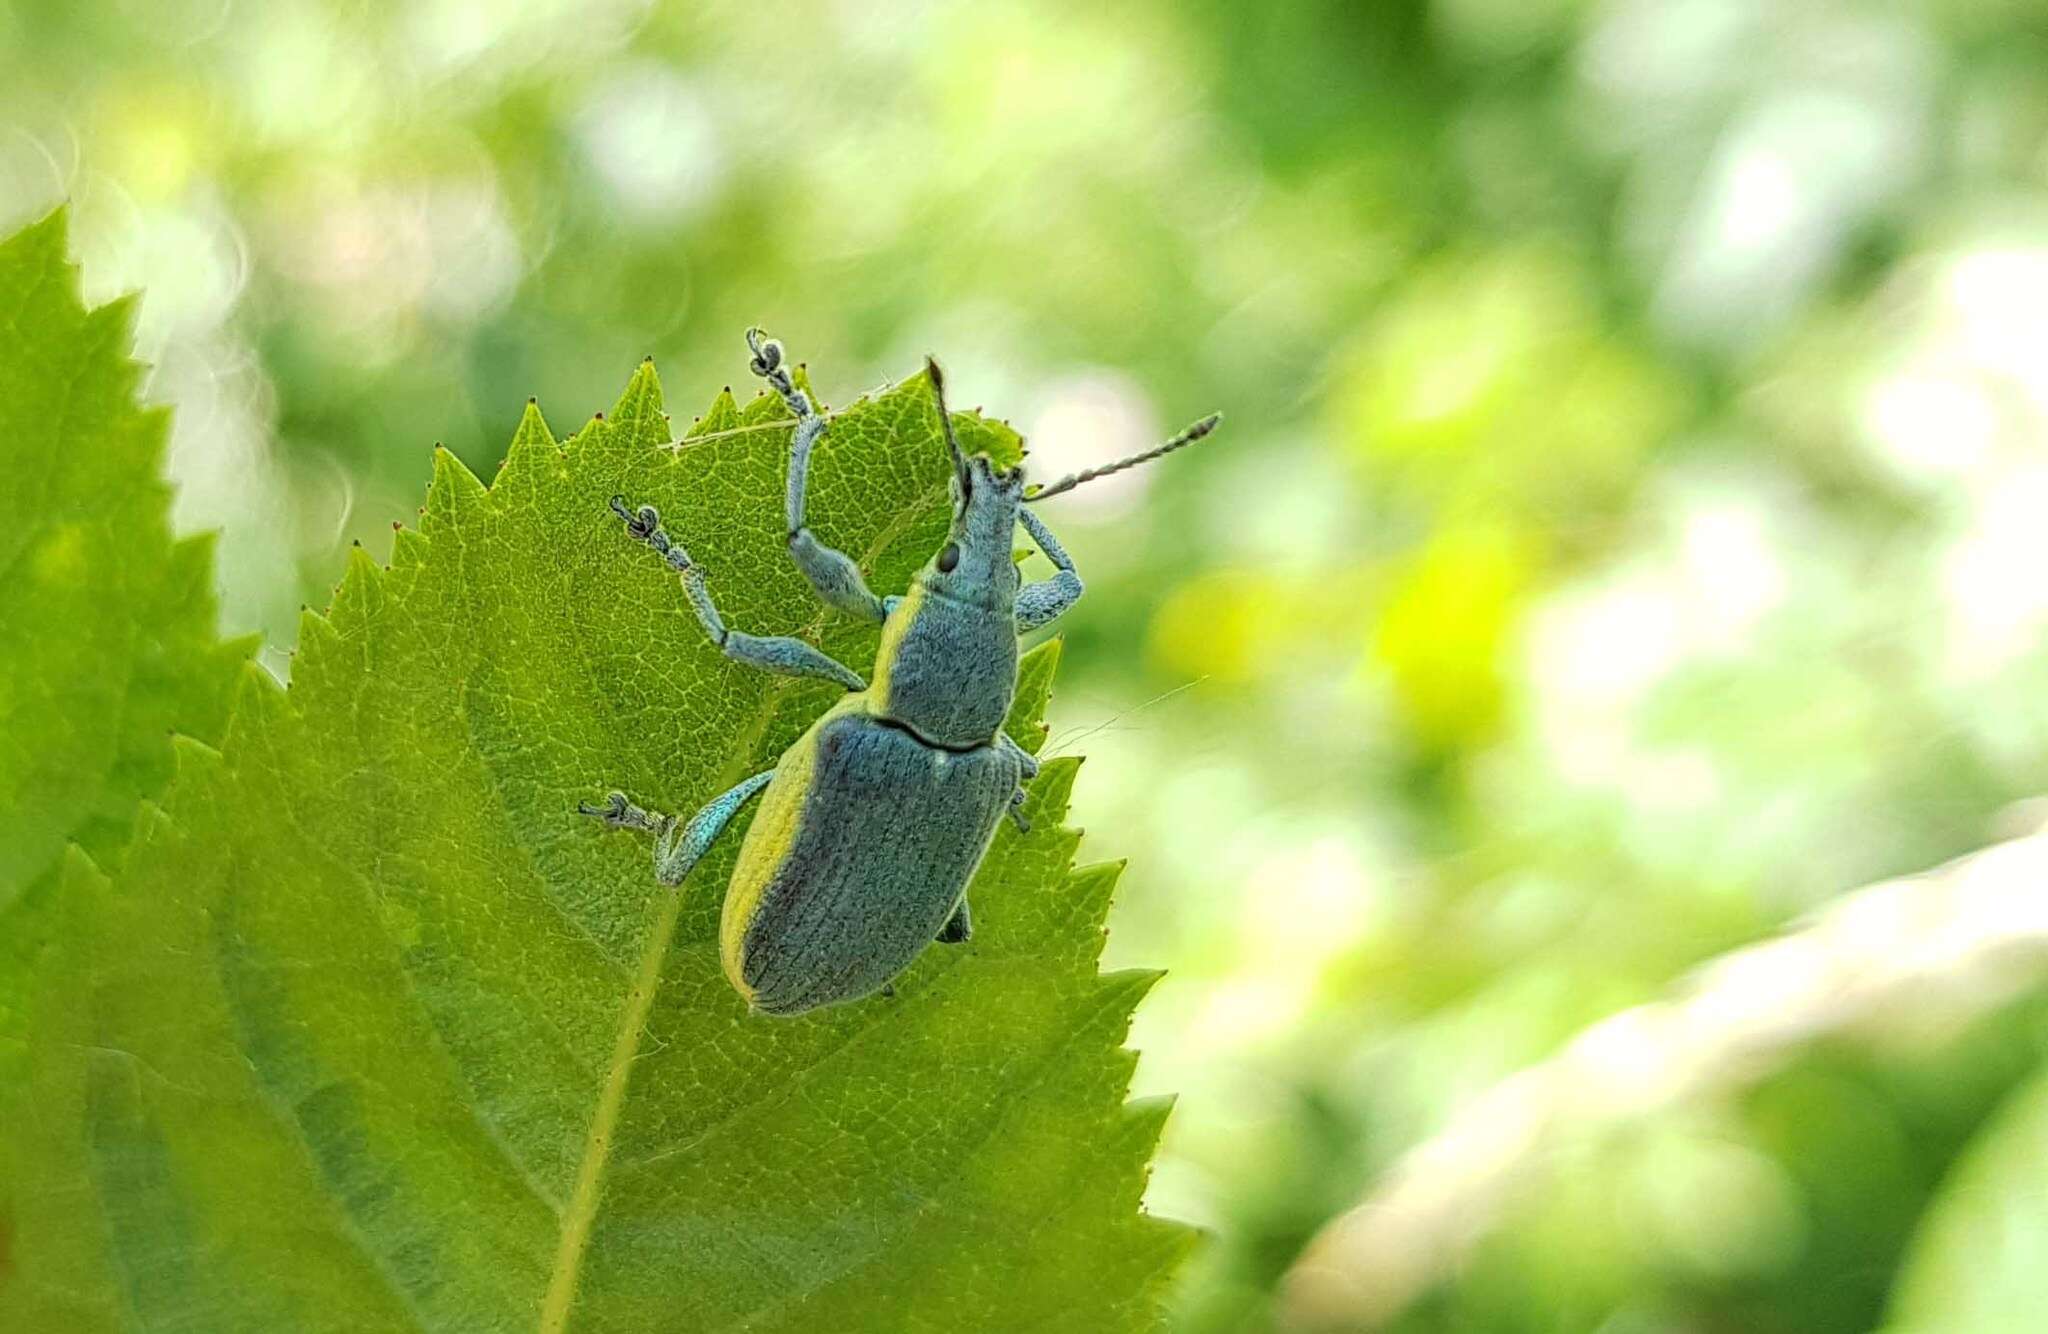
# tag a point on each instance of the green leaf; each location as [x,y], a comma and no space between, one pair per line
[107,641]
[373,1031]
[1980,1261]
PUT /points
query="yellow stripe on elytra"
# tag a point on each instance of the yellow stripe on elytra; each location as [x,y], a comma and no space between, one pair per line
[893,630]
[768,841]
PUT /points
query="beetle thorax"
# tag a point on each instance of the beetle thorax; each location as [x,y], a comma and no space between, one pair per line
[947,667]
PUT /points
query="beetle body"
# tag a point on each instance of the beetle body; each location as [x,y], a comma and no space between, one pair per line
[873,823]
[860,853]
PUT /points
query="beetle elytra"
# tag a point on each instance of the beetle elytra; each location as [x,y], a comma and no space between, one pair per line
[875,820]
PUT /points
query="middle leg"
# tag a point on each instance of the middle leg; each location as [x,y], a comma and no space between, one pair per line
[1027,769]
[677,849]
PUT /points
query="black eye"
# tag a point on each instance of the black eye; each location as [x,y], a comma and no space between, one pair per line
[949,557]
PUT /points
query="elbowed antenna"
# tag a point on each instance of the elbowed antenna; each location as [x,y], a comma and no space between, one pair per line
[1181,441]
[938,379]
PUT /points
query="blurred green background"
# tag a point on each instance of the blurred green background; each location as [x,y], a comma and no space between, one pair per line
[1630,532]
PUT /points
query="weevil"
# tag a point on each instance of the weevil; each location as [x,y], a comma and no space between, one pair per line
[873,823]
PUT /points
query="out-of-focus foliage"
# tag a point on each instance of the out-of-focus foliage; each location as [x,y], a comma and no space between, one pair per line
[106,623]
[1984,1261]
[1627,533]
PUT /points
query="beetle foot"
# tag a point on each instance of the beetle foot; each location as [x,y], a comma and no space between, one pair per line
[1016,812]
[767,353]
[619,813]
[643,524]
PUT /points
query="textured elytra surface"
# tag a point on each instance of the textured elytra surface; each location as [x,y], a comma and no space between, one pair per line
[373,1032]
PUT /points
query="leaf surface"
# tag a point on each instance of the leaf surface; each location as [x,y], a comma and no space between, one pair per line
[372,1031]
[107,624]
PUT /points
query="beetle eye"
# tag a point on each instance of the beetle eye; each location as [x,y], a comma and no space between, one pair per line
[949,557]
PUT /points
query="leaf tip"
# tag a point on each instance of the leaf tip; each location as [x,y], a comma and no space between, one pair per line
[454,488]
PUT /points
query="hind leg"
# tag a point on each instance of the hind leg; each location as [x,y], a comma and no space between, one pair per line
[676,850]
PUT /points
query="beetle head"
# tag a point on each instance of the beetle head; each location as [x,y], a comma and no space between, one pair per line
[976,563]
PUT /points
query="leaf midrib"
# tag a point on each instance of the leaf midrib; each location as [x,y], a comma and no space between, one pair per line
[597,1144]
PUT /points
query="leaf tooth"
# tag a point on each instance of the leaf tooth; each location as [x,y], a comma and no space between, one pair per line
[358,594]
[190,563]
[764,408]
[1133,1138]
[530,460]
[637,419]
[83,875]
[1146,1117]
[50,235]
[1128,986]
[194,757]
[1117,996]
[592,434]
[1054,786]
[1084,897]
[722,415]
[113,324]
[408,551]
[259,702]
[316,632]
[453,498]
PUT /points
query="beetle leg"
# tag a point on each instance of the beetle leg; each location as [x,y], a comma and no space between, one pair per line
[1027,763]
[677,850]
[781,654]
[831,572]
[619,813]
[959,927]
[1038,603]
[1027,769]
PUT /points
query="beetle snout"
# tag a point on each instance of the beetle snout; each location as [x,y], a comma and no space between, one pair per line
[1002,479]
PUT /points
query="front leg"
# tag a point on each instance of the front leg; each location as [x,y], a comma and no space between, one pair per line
[831,572]
[781,654]
[1038,603]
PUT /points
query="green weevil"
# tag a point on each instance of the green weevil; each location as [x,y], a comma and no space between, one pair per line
[875,820]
